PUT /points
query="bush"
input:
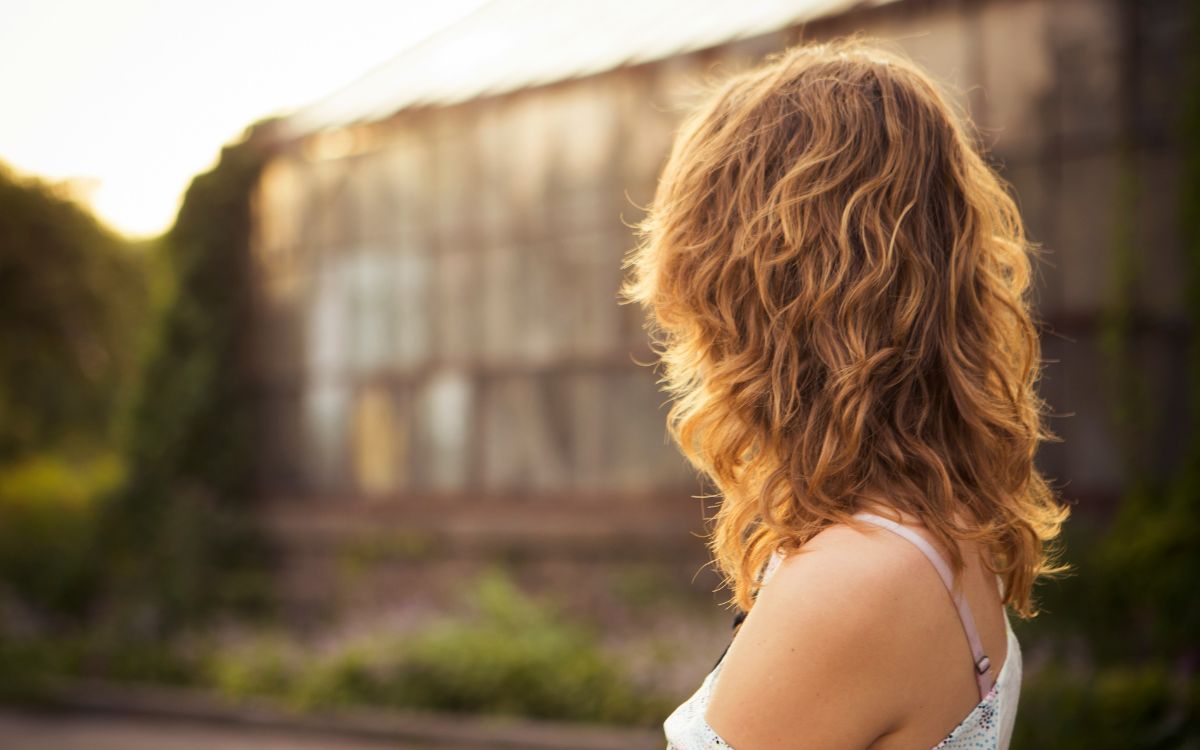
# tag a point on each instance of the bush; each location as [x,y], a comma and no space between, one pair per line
[263,665]
[48,531]
[516,657]
[511,655]
[1117,707]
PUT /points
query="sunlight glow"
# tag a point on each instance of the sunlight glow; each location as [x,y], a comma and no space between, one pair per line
[129,99]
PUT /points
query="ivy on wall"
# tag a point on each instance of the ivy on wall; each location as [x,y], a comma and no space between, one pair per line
[180,531]
[1123,633]
[1152,552]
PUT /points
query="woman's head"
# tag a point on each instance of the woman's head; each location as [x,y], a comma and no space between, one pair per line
[837,285]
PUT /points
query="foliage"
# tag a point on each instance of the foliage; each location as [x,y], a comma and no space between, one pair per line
[511,654]
[1123,660]
[74,296]
[1119,707]
[179,532]
[48,531]
[32,663]
[84,368]
[505,653]
[1124,632]
[28,664]
[126,417]
[74,302]
[518,658]
[124,437]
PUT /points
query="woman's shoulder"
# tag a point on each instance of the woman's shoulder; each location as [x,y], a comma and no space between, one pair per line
[873,589]
[866,555]
[832,626]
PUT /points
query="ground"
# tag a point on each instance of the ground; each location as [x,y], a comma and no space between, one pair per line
[24,730]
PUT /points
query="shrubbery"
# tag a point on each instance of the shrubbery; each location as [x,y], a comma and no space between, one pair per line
[509,654]
[1116,707]
[48,531]
[505,653]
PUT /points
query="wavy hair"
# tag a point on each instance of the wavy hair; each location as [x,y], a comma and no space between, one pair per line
[837,288]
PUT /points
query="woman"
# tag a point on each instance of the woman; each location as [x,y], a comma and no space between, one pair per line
[837,287]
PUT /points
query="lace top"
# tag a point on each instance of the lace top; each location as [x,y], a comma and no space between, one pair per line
[988,726]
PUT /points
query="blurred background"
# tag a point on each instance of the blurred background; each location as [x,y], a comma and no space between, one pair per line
[321,425]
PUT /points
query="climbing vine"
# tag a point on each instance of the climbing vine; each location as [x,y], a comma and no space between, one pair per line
[181,531]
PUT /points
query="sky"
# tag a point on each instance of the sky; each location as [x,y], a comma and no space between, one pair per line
[129,99]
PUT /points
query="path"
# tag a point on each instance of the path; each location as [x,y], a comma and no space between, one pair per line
[25,730]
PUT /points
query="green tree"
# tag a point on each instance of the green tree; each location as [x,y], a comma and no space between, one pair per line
[73,300]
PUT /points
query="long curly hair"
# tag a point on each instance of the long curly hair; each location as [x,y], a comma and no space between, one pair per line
[837,287]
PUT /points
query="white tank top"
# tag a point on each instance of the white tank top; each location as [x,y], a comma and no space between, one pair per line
[989,725]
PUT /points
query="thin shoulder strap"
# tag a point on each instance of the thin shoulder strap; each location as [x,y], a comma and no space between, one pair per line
[982,663]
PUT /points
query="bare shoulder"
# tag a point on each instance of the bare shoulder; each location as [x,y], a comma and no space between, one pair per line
[818,658]
[872,558]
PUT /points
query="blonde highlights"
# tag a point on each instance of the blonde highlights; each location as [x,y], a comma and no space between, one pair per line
[837,287]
